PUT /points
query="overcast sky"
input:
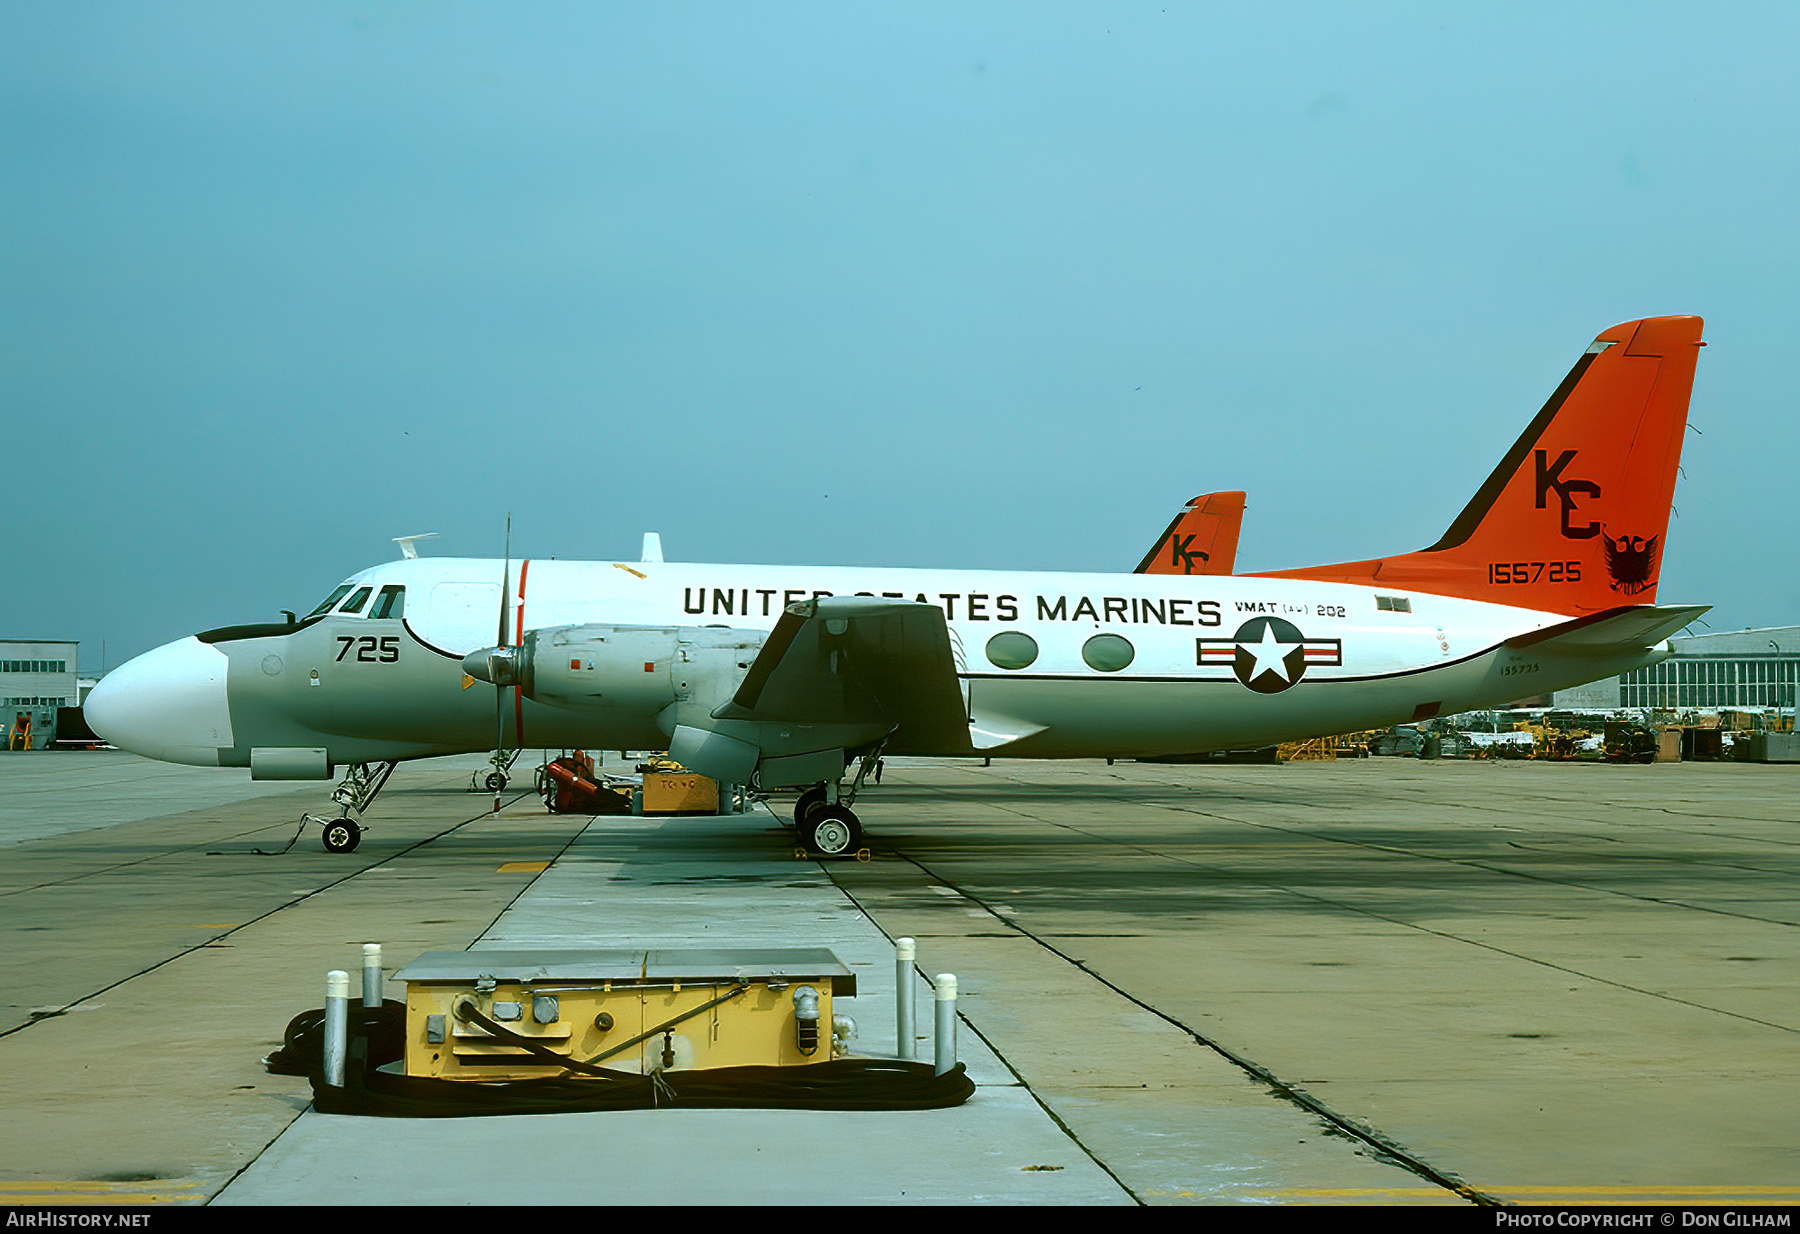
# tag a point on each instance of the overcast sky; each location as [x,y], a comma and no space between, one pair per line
[910,284]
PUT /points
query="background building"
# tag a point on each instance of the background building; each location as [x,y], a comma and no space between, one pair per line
[1739,668]
[36,677]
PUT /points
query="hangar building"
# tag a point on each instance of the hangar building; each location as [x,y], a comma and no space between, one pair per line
[36,677]
[1737,668]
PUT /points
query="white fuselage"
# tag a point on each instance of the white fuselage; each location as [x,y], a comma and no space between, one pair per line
[1125,665]
[1365,663]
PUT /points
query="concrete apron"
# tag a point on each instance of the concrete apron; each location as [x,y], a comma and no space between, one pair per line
[717,882]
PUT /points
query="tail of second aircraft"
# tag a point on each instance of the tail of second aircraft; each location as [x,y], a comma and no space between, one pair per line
[1202,539]
[1573,519]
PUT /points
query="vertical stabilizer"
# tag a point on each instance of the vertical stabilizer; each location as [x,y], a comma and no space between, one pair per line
[1202,539]
[1574,518]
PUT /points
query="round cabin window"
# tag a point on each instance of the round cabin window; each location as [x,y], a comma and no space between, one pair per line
[1012,649]
[1108,653]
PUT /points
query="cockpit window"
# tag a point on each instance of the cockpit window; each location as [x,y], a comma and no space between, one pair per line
[355,603]
[330,600]
[390,603]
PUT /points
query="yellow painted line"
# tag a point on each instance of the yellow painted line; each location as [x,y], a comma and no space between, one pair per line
[173,1191]
[1374,1195]
[200,925]
[1709,1189]
[1337,1192]
[1570,1196]
[41,1184]
[523,867]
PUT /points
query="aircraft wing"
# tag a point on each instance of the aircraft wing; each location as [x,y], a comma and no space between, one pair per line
[1631,627]
[858,660]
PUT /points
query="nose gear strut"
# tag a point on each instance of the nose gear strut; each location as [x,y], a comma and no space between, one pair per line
[357,791]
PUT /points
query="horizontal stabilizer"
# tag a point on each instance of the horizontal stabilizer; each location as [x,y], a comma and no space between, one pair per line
[1631,628]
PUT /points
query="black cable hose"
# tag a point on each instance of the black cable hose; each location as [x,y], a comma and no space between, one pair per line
[378,1036]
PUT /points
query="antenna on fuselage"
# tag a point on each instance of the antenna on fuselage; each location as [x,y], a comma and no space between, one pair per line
[652,547]
[408,549]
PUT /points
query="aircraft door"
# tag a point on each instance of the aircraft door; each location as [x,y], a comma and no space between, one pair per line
[460,617]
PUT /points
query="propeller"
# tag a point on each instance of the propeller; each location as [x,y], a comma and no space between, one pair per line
[499,664]
[500,640]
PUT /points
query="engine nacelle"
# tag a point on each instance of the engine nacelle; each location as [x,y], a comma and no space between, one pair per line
[679,677]
[588,667]
[641,669]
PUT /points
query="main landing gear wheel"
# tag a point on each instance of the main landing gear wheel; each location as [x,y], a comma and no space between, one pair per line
[342,836]
[832,831]
[809,801]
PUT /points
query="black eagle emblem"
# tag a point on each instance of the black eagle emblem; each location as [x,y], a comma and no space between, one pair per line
[1631,560]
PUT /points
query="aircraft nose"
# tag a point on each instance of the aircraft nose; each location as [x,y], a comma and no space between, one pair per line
[168,704]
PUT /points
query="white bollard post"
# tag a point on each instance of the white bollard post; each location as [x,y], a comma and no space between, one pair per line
[337,1025]
[371,975]
[946,1022]
[906,1031]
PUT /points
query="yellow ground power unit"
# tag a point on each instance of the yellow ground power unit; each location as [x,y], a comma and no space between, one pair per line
[680,792]
[507,1015]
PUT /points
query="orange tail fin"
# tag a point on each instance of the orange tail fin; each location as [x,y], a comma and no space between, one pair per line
[1202,540]
[1574,518]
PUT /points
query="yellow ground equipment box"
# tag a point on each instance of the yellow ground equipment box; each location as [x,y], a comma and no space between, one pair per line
[506,1015]
[680,792]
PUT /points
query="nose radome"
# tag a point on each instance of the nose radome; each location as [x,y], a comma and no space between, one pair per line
[168,704]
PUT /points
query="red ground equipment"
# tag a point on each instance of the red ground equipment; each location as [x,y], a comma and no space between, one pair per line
[570,785]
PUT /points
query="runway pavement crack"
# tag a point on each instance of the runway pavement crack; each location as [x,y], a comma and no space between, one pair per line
[51,1013]
[1411,925]
[994,1046]
[504,909]
[1476,864]
[1382,1144]
[116,866]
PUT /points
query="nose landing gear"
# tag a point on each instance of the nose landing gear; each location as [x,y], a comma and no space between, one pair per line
[360,785]
[342,836]
[499,774]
